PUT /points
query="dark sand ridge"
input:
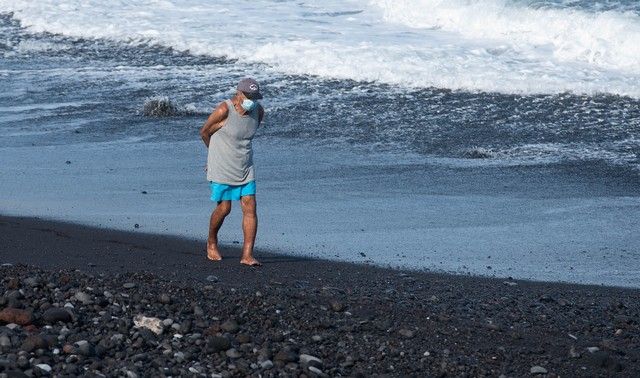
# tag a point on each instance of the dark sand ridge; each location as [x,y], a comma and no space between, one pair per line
[369,319]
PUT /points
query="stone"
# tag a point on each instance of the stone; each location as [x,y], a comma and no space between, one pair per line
[406,333]
[309,360]
[336,305]
[31,281]
[593,349]
[573,353]
[84,348]
[233,353]
[266,364]
[212,278]
[538,370]
[317,372]
[218,343]
[179,356]
[5,341]
[34,342]
[83,298]
[17,316]
[129,285]
[150,323]
[167,322]
[164,298]
[44,368]
[285,356]
[230,326]
[56,314]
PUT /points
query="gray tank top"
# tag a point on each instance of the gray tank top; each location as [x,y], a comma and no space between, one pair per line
[230,159]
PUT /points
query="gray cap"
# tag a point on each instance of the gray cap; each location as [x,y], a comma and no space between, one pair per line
[250,87]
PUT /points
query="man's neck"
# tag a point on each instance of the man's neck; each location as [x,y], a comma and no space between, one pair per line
[235,100]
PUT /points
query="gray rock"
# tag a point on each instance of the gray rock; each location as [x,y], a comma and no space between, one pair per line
[44,368]
[167,322]
[31,281]
[230,326]
[538,370]
[317,372]
[129,285]
[309,360]
[233,353]
[212,278]
[316,338]
[406,333]
[164,298]
[83,298]
[179,356]
[5,341]
[593,349]
[84,348]
[266,364]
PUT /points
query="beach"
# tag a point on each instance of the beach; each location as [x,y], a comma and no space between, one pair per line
[443,189]
[231,320]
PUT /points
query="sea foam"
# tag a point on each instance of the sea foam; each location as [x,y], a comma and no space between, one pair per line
[489,46]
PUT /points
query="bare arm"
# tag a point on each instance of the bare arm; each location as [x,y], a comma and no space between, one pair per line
[214,122]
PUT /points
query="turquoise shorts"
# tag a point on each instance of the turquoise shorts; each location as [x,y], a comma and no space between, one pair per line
[224,192]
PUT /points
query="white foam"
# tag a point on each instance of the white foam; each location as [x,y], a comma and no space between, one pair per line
[467,45]
[607,40]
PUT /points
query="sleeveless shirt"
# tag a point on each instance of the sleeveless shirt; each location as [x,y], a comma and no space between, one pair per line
[230,154]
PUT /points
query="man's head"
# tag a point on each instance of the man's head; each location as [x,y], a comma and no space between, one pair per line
[250,88]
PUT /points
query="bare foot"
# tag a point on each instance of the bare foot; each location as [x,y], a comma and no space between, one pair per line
[213,253]
[250,261]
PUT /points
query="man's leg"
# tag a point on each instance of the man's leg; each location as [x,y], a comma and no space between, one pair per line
[217,217]
[249,229]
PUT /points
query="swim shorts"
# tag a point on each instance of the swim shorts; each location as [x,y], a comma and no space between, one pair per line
[224,192]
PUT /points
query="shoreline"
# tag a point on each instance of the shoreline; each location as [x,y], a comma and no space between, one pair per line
[74,246]
[358,320]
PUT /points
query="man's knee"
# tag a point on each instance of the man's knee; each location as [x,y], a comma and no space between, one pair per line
[248,204]
[224,207]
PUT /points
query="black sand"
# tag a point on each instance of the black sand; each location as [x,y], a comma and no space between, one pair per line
[357,319]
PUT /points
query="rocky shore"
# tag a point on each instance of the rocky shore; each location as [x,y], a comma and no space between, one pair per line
[324,319]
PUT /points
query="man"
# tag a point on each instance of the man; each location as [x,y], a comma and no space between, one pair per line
[227,133]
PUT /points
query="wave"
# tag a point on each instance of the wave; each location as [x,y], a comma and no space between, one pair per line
[621,153]
[609,40]
[489,46]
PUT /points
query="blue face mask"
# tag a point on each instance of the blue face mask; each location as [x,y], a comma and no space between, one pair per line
[248,105]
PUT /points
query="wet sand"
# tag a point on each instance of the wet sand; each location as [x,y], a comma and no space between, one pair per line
[357,319]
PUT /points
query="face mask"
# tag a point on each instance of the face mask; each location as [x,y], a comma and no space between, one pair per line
[248,105]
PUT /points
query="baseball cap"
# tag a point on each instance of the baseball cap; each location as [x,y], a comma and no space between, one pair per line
[250,87]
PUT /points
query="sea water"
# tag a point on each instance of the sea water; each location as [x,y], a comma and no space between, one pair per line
[482,137]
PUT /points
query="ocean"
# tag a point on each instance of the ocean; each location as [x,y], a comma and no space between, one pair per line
[475,137]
